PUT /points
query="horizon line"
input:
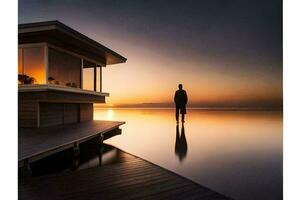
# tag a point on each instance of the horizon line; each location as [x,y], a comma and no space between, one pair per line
[229,108]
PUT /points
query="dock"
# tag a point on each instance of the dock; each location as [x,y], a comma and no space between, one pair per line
[130,178]
[124,177]
[37,143]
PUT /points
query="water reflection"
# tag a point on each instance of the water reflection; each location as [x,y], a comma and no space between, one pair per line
[237,153]
[181,146]
[91,155]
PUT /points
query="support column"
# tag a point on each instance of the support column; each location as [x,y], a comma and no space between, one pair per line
[81,74]
[100,78]
[95,78]
[76,153]
[27,169]
[101,148]
[76,150]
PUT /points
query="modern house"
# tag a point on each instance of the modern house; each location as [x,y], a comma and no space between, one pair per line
[59,80]
[59,74]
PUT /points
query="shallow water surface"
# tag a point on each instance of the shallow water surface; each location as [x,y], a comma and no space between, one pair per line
[236,153]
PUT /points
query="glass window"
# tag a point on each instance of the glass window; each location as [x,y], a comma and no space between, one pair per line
[20,62]
[88,75]
[98,82]
[88,78]
[20,66]
[64,69]
[34,65]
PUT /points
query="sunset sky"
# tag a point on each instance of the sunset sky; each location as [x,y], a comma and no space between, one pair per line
[224,52]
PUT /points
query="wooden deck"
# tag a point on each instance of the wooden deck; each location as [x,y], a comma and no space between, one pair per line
[130,178]
[36,143]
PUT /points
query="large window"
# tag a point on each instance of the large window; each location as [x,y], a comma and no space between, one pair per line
[31,67]
[20,61]
[88,73]
[64,69]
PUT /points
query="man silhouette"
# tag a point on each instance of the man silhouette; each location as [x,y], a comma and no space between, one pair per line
[180,100]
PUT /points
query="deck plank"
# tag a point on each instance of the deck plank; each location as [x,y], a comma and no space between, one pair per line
[133,178]
[35,141]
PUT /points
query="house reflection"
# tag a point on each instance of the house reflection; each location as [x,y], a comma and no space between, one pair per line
[181,145]
[91,155]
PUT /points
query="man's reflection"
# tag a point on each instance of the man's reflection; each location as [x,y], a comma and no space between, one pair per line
[181,144]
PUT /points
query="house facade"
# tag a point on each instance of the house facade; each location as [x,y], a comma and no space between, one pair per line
[59,74]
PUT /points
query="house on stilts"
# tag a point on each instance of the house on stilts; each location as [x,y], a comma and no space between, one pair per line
[59,80]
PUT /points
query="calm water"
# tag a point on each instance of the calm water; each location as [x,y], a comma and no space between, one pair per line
[237,153]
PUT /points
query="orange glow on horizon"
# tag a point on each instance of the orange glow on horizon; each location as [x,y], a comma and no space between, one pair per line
[151,77]
[202,86]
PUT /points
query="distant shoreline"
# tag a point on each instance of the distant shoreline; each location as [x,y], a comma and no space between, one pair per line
[199,108]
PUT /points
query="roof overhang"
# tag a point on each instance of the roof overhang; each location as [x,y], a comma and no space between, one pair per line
[58,34]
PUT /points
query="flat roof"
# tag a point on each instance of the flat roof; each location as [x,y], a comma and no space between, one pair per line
[59,34]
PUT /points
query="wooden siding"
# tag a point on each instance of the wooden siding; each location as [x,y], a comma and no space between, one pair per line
[71,113]
[58,113]
[77,108]
[86,112]
[27,112]
[51,114]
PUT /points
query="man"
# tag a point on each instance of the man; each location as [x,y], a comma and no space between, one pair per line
[180,100]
